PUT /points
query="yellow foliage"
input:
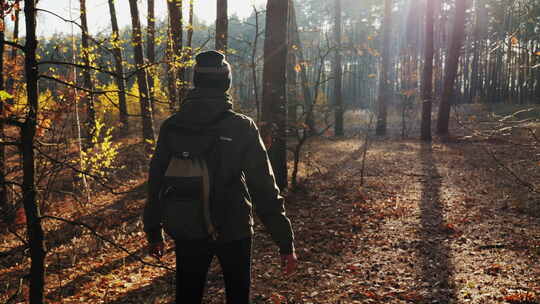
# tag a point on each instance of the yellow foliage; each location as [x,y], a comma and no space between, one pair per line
[99,160]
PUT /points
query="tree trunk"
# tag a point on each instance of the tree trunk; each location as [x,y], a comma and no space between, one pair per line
[537,73]
[188,71]
[338,73]
[384,88]
[3,189]
[427,81]
[146,109]
[254,77]
[292,100]
[308,99]
[10,82]
[90,123]
[31,206]
[189,41]
[274,103]
[119,69]
[451,67]
[175,28]
[222,26]
[151,50]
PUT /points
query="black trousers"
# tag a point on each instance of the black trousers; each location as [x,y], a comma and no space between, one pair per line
[193,259]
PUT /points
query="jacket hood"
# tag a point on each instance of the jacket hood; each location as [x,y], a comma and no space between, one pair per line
[202,107]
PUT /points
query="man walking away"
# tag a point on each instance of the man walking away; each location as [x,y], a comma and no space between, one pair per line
[209,169]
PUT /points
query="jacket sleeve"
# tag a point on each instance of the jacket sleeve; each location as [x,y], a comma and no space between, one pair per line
[152,212]
[267,201]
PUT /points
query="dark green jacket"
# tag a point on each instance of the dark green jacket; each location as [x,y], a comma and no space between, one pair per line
[244,178]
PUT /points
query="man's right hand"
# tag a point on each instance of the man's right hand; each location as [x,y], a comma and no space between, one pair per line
[156,249]
[289,263]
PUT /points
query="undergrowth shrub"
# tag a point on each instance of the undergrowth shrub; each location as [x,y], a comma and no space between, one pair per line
[100,159]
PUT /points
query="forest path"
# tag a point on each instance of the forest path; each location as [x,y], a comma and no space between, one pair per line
[433,223]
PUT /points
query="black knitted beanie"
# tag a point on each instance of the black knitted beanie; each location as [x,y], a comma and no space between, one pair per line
[212,71]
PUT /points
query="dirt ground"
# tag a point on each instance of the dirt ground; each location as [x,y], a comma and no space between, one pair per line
[431,223]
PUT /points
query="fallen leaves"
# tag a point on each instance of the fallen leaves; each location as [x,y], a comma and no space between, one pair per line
[522,298]
[494,269]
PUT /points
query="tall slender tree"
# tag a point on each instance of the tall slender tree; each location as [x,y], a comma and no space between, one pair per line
[146,109]
[291,72]
[28,131]
[384,88]
[10,82]
[338,73]
[309,102]
[119,69]
[87,75]
[427,76]
[274,102]
[222,26]
[175,75]
[189,41]
[151,49]
[3,188]
[452,61]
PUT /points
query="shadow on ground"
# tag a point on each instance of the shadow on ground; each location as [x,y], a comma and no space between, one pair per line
[433,249]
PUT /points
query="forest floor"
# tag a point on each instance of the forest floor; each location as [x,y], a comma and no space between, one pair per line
[431,223]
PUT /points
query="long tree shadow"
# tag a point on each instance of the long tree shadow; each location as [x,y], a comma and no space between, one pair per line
[72,287]
[434,253]
[116,212]
[147,294]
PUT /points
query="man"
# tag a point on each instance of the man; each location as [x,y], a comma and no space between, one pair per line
[240,174]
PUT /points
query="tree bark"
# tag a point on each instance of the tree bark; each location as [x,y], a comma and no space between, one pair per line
[222,26]
[119,69]
[253,67]
[384,88]
[146,109]
[176,48]
[451,67]
[151,50]
[3,189]
[274,103]
[427,76]
[308,99]
[292,100]
[338,73]
[31,206]
[189,43]
[90,123]
[10,82]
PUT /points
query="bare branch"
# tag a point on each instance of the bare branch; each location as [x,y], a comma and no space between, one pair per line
[105,239]
[15,45]
[98,179]
[98,43]
[10,143]
[12,184]
[12,122]
[511,172]
[103,92]
[82,66]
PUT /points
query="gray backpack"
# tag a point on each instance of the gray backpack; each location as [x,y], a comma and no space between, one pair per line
[188,183]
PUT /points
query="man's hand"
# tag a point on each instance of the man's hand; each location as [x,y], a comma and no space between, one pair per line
[156,249]
[288,263]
